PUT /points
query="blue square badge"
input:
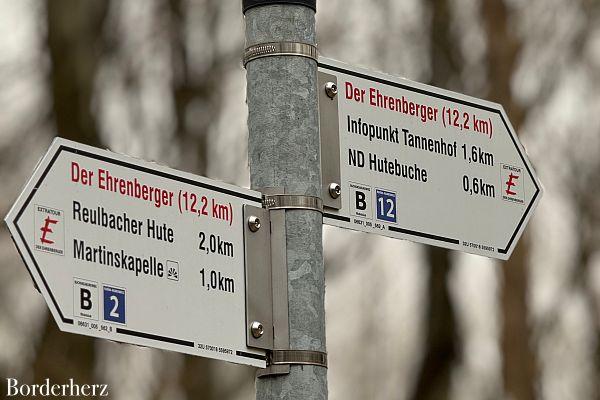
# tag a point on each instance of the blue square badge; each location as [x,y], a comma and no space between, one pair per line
[114,304]
[386,205]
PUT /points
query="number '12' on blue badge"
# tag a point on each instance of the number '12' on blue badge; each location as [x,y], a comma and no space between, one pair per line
[386,205]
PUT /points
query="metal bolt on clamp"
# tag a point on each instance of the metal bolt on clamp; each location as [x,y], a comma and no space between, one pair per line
[280,49]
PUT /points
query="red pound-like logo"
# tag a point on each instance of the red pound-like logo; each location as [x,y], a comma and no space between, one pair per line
[511,182]
[49,230]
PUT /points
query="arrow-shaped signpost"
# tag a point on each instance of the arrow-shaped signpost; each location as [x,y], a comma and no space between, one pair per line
[135,252]
[411,161]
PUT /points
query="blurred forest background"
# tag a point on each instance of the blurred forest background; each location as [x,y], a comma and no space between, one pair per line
[162,80]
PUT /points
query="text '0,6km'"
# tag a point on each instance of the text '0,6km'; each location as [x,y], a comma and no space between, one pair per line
[134,252]
[421,163]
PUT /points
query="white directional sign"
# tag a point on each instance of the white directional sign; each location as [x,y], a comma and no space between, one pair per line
[421,163]
[134,252]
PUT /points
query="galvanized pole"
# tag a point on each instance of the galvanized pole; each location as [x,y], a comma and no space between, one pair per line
[283,151]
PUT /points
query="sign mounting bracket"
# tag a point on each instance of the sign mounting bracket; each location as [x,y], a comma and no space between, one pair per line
[330,140]
[269,295]
[267,319]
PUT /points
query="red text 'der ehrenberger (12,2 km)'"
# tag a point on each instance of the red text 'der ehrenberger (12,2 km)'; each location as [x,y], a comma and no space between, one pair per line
[425,164]
[135,252]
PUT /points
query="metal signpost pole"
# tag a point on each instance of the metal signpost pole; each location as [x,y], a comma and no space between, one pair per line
[283,152]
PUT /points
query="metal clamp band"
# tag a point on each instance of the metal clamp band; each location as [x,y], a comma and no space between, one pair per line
[248,4]
[292,201]
[303,357]
[280,49]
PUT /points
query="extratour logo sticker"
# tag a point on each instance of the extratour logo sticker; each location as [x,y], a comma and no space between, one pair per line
[49,230]
[47,389]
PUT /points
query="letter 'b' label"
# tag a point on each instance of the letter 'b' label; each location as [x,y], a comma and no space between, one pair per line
[85,299]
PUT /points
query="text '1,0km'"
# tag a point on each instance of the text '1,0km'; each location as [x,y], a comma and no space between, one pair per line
[131,251]
[421,163]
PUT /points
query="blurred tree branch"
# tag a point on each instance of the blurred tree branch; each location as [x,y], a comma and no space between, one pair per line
[192,85]
[519,361]
[74,45]
[75,48]
[441,345]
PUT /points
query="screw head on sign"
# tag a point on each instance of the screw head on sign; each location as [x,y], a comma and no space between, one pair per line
[331,89]
[257,329]
[254,223]
[335,190]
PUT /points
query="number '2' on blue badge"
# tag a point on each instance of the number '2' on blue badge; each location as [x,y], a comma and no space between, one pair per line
[386,205]
[114,304]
